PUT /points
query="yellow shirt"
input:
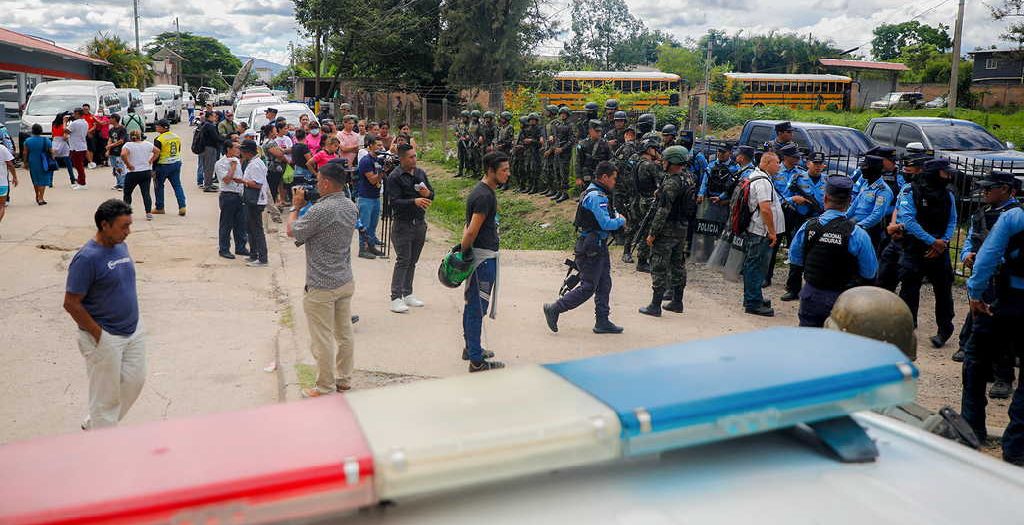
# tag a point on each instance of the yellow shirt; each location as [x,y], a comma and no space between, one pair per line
[170,148]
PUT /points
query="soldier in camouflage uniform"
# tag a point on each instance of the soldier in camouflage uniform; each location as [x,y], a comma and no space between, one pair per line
[646,179]
[518,156]
[488,132]
[610,107]
[625,157]
[590,113]
[614,135]
[547,150]
[463,141]
[564,142]
[474,143]
[530,138]
[676,200]
[503,138]
[589,152]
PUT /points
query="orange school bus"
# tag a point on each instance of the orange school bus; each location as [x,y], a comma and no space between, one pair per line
[795,91]
[570,86]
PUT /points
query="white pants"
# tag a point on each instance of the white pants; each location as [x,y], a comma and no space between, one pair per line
[117,370]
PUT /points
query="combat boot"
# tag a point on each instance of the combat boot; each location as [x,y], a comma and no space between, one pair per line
[627,257]
[654,309]
[676,305]
[605,326]
[562,197]
[643,266]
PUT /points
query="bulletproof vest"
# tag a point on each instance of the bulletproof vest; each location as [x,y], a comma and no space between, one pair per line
[646,183]
[984,219]
[585,220]
[828,264]
[504,136]
[890,180]
[721,180]
[488,133]
[615,134]
[932,205]
[685,204]
[532,132]
[563,133]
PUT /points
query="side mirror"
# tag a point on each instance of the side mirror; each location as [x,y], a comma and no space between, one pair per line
[1010,145]
[915,146]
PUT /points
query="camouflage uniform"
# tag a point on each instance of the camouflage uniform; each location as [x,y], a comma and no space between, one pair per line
[589,153]
[518,156]
[676,200]
[625,158]
[563,134]
[487,131]
[504,137]
[474,147]
[531,156]
[646,180]
[463,141]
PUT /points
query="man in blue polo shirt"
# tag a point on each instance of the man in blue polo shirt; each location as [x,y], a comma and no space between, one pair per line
[369,174]
[101,297]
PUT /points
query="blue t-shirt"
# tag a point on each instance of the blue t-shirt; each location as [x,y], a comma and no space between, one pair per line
[367,164]
[106,277]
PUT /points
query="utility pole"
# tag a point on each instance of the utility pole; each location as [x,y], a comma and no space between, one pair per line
[177,30]
[135,8]
[707,85]
[954,70]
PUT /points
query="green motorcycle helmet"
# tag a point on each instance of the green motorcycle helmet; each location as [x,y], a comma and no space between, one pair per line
[676,155]
[454,269]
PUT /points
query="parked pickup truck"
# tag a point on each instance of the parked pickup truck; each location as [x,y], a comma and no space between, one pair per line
[839,143]
[960,140]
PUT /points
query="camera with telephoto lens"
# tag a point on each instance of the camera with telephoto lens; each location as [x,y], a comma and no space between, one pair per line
[311,193]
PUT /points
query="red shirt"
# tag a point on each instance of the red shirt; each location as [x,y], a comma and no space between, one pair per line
[323,157]
[90,120]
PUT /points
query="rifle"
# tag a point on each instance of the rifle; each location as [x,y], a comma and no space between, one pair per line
[812,202]
[642,227]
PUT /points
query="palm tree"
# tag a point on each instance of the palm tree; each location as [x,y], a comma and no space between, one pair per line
[128,68]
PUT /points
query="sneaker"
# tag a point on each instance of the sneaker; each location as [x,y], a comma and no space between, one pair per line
[83,186]
[374,251]
[181,211]
[74,185]
[243,253]
[158,211]
[115,187]
[256,264]
[411,300]
[398,306]
[311,393]
[486,353]
[92,165]
[364,254]
[1000,390]
[484,366]
[149,216]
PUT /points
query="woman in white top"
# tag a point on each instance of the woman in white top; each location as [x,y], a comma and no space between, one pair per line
[139,156]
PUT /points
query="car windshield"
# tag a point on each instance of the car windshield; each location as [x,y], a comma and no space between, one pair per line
[894,97]
[245,107]
[961,137]
[52,104]
[164,95]
[149,98]
[839,141]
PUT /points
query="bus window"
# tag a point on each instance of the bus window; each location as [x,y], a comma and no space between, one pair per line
[801,87]
[645,85]
[618,85]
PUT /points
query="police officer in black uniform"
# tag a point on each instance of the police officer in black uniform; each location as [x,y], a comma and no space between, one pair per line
[595,221]
[835,254]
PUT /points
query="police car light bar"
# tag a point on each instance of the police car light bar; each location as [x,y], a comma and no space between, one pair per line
[333,455]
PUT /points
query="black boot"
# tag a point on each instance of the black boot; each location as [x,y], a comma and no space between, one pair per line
[676,305]
[643,266]
[627,257]
[604,326]
[551,316]
[562,197]
[654,309]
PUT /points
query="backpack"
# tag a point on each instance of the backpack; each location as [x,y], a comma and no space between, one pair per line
[740,215]
[197,141]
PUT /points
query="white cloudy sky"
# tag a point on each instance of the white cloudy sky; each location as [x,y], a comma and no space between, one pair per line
[262,28]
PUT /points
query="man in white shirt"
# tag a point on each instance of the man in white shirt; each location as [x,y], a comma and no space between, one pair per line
[761,236]
[77,130]
[254,177]
[232,215]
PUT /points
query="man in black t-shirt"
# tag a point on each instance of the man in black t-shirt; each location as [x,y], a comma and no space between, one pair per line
[116,138]
[480,242]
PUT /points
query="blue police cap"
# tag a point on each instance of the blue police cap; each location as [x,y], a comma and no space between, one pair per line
[871,163]
[746,151]
[998,178]
[839,185]
[940,164]
[783,126]
[884,152]
[915,160]
[817,157]
[789,150]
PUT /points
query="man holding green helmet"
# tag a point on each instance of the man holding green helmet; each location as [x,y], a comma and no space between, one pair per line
[676,201]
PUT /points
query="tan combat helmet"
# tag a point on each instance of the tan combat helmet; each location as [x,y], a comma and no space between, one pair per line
[876,313]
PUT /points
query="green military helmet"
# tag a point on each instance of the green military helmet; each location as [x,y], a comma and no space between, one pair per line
[524,119]
[353,118]
[591,106]
[650,141]
[533,116]
[454,269]
[489,114]
[619,115]
[676,155]
[645,123]
[505,115]
[611,104]
[594,124]
[551,109]
[464,113]
[875,313]
[475,113]
[669,129]
[565,110]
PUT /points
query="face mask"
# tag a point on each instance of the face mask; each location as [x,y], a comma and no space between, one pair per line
[315,131]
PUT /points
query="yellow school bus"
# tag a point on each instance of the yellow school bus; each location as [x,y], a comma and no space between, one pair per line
[569,87]
[795,91]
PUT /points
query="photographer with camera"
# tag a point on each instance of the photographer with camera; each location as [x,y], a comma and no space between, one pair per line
[325,229]
[369,175]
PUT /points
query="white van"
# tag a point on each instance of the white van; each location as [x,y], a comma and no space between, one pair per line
[171,96]
[57,96]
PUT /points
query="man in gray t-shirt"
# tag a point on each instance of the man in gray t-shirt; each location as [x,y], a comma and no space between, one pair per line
[326,231]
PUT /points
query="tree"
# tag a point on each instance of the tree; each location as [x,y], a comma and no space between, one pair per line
[642,47]
[127,67]
[1010,9]
[202,56]
[686,62]
[770,53]
[890,39]
[722,91]
[599,29]
[489,42]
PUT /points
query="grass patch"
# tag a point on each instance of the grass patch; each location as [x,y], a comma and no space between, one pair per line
[524,224]
[306,374]
[287,317]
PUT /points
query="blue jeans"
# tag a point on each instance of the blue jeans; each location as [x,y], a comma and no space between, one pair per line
[755,268]
[478,296]
[191,115]
[369,215]
[199,170]
[172,173]
[118,168]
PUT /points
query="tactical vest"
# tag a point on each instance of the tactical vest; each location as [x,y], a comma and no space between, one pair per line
[828,263]
[645,186]
[721,179]
[685,205]
[932,205]
[585,219]
[984,219]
